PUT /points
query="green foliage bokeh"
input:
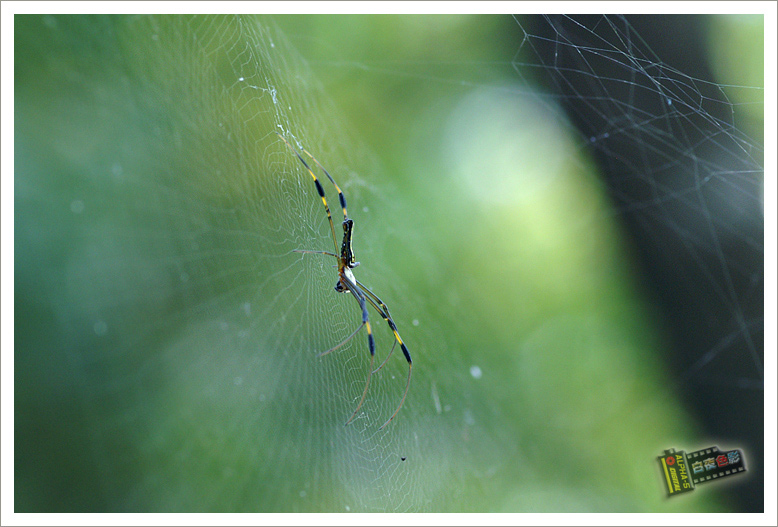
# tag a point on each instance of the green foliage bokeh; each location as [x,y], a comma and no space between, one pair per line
[535,356]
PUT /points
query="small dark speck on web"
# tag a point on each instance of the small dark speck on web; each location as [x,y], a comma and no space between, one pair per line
[403,458]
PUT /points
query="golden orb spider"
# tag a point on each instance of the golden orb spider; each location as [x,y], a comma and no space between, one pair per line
[347,283]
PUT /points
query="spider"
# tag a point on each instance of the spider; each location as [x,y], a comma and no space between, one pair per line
[347,283]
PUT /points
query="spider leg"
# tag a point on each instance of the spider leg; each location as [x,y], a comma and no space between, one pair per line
[341,197]
[323,353]
[410,368]
[384,312]
[314,252]
[394,345]
[348,283]
[360,296]
[319,189]
[407,385]
[385,315]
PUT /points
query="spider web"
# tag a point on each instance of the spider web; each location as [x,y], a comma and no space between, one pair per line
[688,183]
[193,326]
[167,333]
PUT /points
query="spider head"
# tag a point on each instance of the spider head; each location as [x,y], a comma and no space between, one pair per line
[347,225]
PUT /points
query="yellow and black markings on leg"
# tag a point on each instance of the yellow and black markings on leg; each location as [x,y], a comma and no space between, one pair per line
[319,189]
[346,253]
[341,197]
[384,312]
[399,339]
[360,297]
[348,283]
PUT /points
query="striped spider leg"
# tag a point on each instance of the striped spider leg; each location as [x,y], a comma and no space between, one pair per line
[347,283]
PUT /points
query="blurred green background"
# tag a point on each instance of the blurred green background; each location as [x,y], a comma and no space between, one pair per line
[166,334]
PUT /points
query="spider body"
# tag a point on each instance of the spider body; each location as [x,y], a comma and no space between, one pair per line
[348,283]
